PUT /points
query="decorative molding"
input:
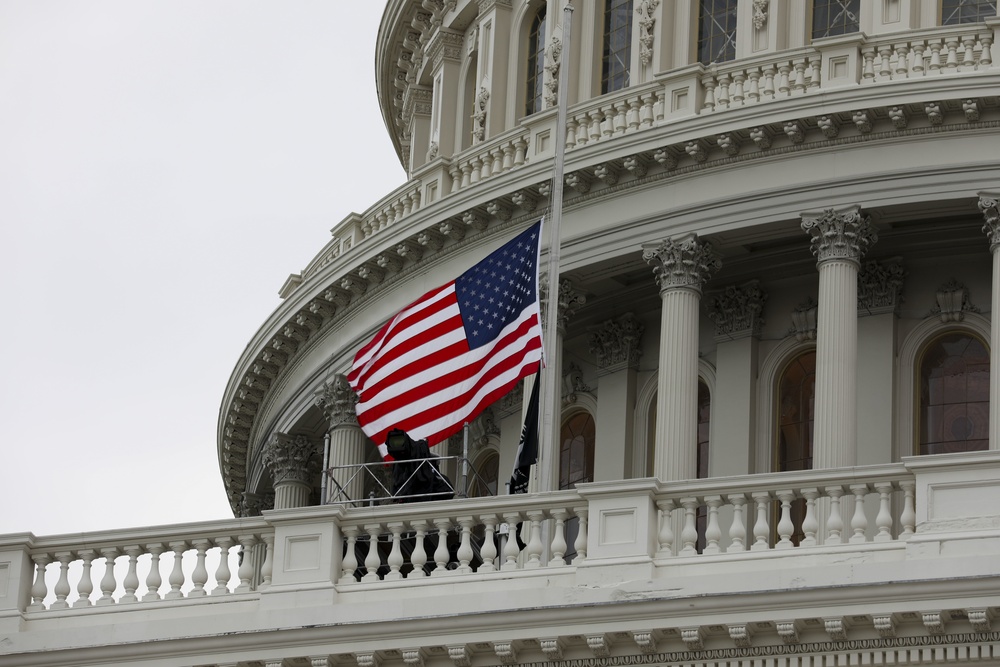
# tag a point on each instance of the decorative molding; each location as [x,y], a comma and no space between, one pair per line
[570,300]
[479,117]
[760,11]
[553,53]
[573,384]
[290,458]
[846,234]
[338,402]
[953,302]
[989,204]
[646,29]
[552,648]
[513,400]
[737,311]
[460,654]
[804,320]
[880,286]
[506,652]
[616,343]
[681,263]
[599,645]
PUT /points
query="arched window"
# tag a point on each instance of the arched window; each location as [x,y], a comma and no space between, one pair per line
[617,45]
[716,31]
[576,451]
[796,390]
[835,17]
[536,64]
[954,379]
[487,475]
[954,12]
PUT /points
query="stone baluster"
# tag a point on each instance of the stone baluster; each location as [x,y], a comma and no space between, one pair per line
[594,130]
[708,84]
[722,92]
[608,124]
[859,522]
[534,548]
[681,266]
[350,562]
[917,69]
[245,571]
[292,462]
[835,521]
[634,107]
[713,533]
[466,174]
[969,56]
[689,533]
[395,559]
[419,556]
[934,65]
[131,581]
[783,84]
[989,204]
[222,572]
[908,517]
[348,443]
[621,119]
[769,71]
[508,156]
[62,588]
[39,590]
[200,575]
[951,61]
[108,582]
[986,52]
[646,114]
[761,531]
[520,151]
[810,524]
[497,155]
[785,526]
[441,555]
[737,529]
[902,61]
[580,545]
[839,239]
[883,521]
[373,561]
[488,551]
[267,567]
[153,579]
[487,169]
[558,546]
[665,536]
[85,587]
[511,550]
[465,553]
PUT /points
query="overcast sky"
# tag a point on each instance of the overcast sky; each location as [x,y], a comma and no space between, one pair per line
[164,165]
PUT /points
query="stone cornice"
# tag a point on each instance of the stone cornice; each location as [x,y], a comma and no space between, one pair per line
[320,299]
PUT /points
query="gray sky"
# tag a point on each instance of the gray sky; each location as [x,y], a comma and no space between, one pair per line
[164,165]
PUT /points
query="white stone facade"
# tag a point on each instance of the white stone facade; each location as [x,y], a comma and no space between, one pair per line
[836,195]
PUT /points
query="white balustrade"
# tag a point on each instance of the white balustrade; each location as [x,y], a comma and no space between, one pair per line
[489,159]
[952,50]
[130,571]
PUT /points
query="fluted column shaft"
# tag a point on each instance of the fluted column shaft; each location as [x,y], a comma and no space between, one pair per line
[989,204]
[681,267]
[839,240]
[348,443]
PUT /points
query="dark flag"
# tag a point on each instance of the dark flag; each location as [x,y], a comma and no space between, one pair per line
[527,449]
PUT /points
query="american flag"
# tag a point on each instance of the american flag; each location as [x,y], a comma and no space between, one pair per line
[451,353]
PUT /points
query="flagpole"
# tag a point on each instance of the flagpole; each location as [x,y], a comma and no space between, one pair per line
[550,385]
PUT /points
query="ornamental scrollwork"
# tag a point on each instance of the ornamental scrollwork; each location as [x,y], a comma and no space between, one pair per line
[338,402]
[617,342]
[844,235]
[737,311]
[880,286]
[685,262]
[646,33]
[290,458]
[760,10]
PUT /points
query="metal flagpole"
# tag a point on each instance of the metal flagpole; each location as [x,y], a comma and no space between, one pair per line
[550,385]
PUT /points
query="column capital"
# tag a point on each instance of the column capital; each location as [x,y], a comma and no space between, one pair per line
[989,204]
[570,300]
[844,234]
[737,311]
[290,458]
[880,286]
[684,262]
[338,402]
[615,343]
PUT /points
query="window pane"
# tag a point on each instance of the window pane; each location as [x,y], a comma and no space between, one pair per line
[796,403]
[576,452]
[835,17]
[617,45]
[716,31]
[954,395]
[536,64]
[954,12]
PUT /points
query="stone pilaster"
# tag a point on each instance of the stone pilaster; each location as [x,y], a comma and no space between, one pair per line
[989,204]
[292,462]
[347,441]
[681,266]
[839,239]
[616,346]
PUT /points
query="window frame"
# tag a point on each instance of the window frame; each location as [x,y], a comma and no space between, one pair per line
[606,53]
[978,18]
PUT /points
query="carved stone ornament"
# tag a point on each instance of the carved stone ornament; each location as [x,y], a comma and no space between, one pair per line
[253,504]
[681,263]
[760,9]
[573,384]
[337,401]
[291,458]
[880,287]
[646,33]
[953,302]
[804,320]
[737,311]
[990,206]
[616,343]
[479,117]
[845,234]
[552,60]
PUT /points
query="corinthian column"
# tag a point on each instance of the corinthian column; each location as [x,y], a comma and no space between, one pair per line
[681,267]
[989,204]
[292,463]
[347,441]
[839,240]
